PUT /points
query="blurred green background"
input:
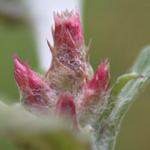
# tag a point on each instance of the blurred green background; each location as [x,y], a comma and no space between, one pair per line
[118,29]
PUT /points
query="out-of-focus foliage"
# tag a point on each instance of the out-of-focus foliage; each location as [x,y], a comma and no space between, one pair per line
[13,9]
[15,37]
[19,129]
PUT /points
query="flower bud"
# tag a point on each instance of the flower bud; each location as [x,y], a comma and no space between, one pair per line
[68,64]
[94,96]
[100,82]
[66,107]
[32,87]
[70,72]
[67,24]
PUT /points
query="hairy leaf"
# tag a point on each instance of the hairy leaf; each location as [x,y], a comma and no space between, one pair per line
[121,97]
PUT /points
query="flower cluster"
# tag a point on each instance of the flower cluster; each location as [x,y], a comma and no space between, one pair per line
[69,87]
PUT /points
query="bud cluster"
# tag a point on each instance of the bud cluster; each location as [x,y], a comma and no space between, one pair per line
[68,88]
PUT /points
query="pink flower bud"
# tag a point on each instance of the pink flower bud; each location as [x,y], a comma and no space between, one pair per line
[25,76]
[68,26]
[68,64]
[70,72]
[101,80]
[98,86]
[66,107]
[32,87]
[94,95]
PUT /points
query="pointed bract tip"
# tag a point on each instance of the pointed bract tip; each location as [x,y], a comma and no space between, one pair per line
[17,62]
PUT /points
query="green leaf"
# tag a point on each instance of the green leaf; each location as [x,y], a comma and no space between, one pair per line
[121,82]
[116,89]
[121,98]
